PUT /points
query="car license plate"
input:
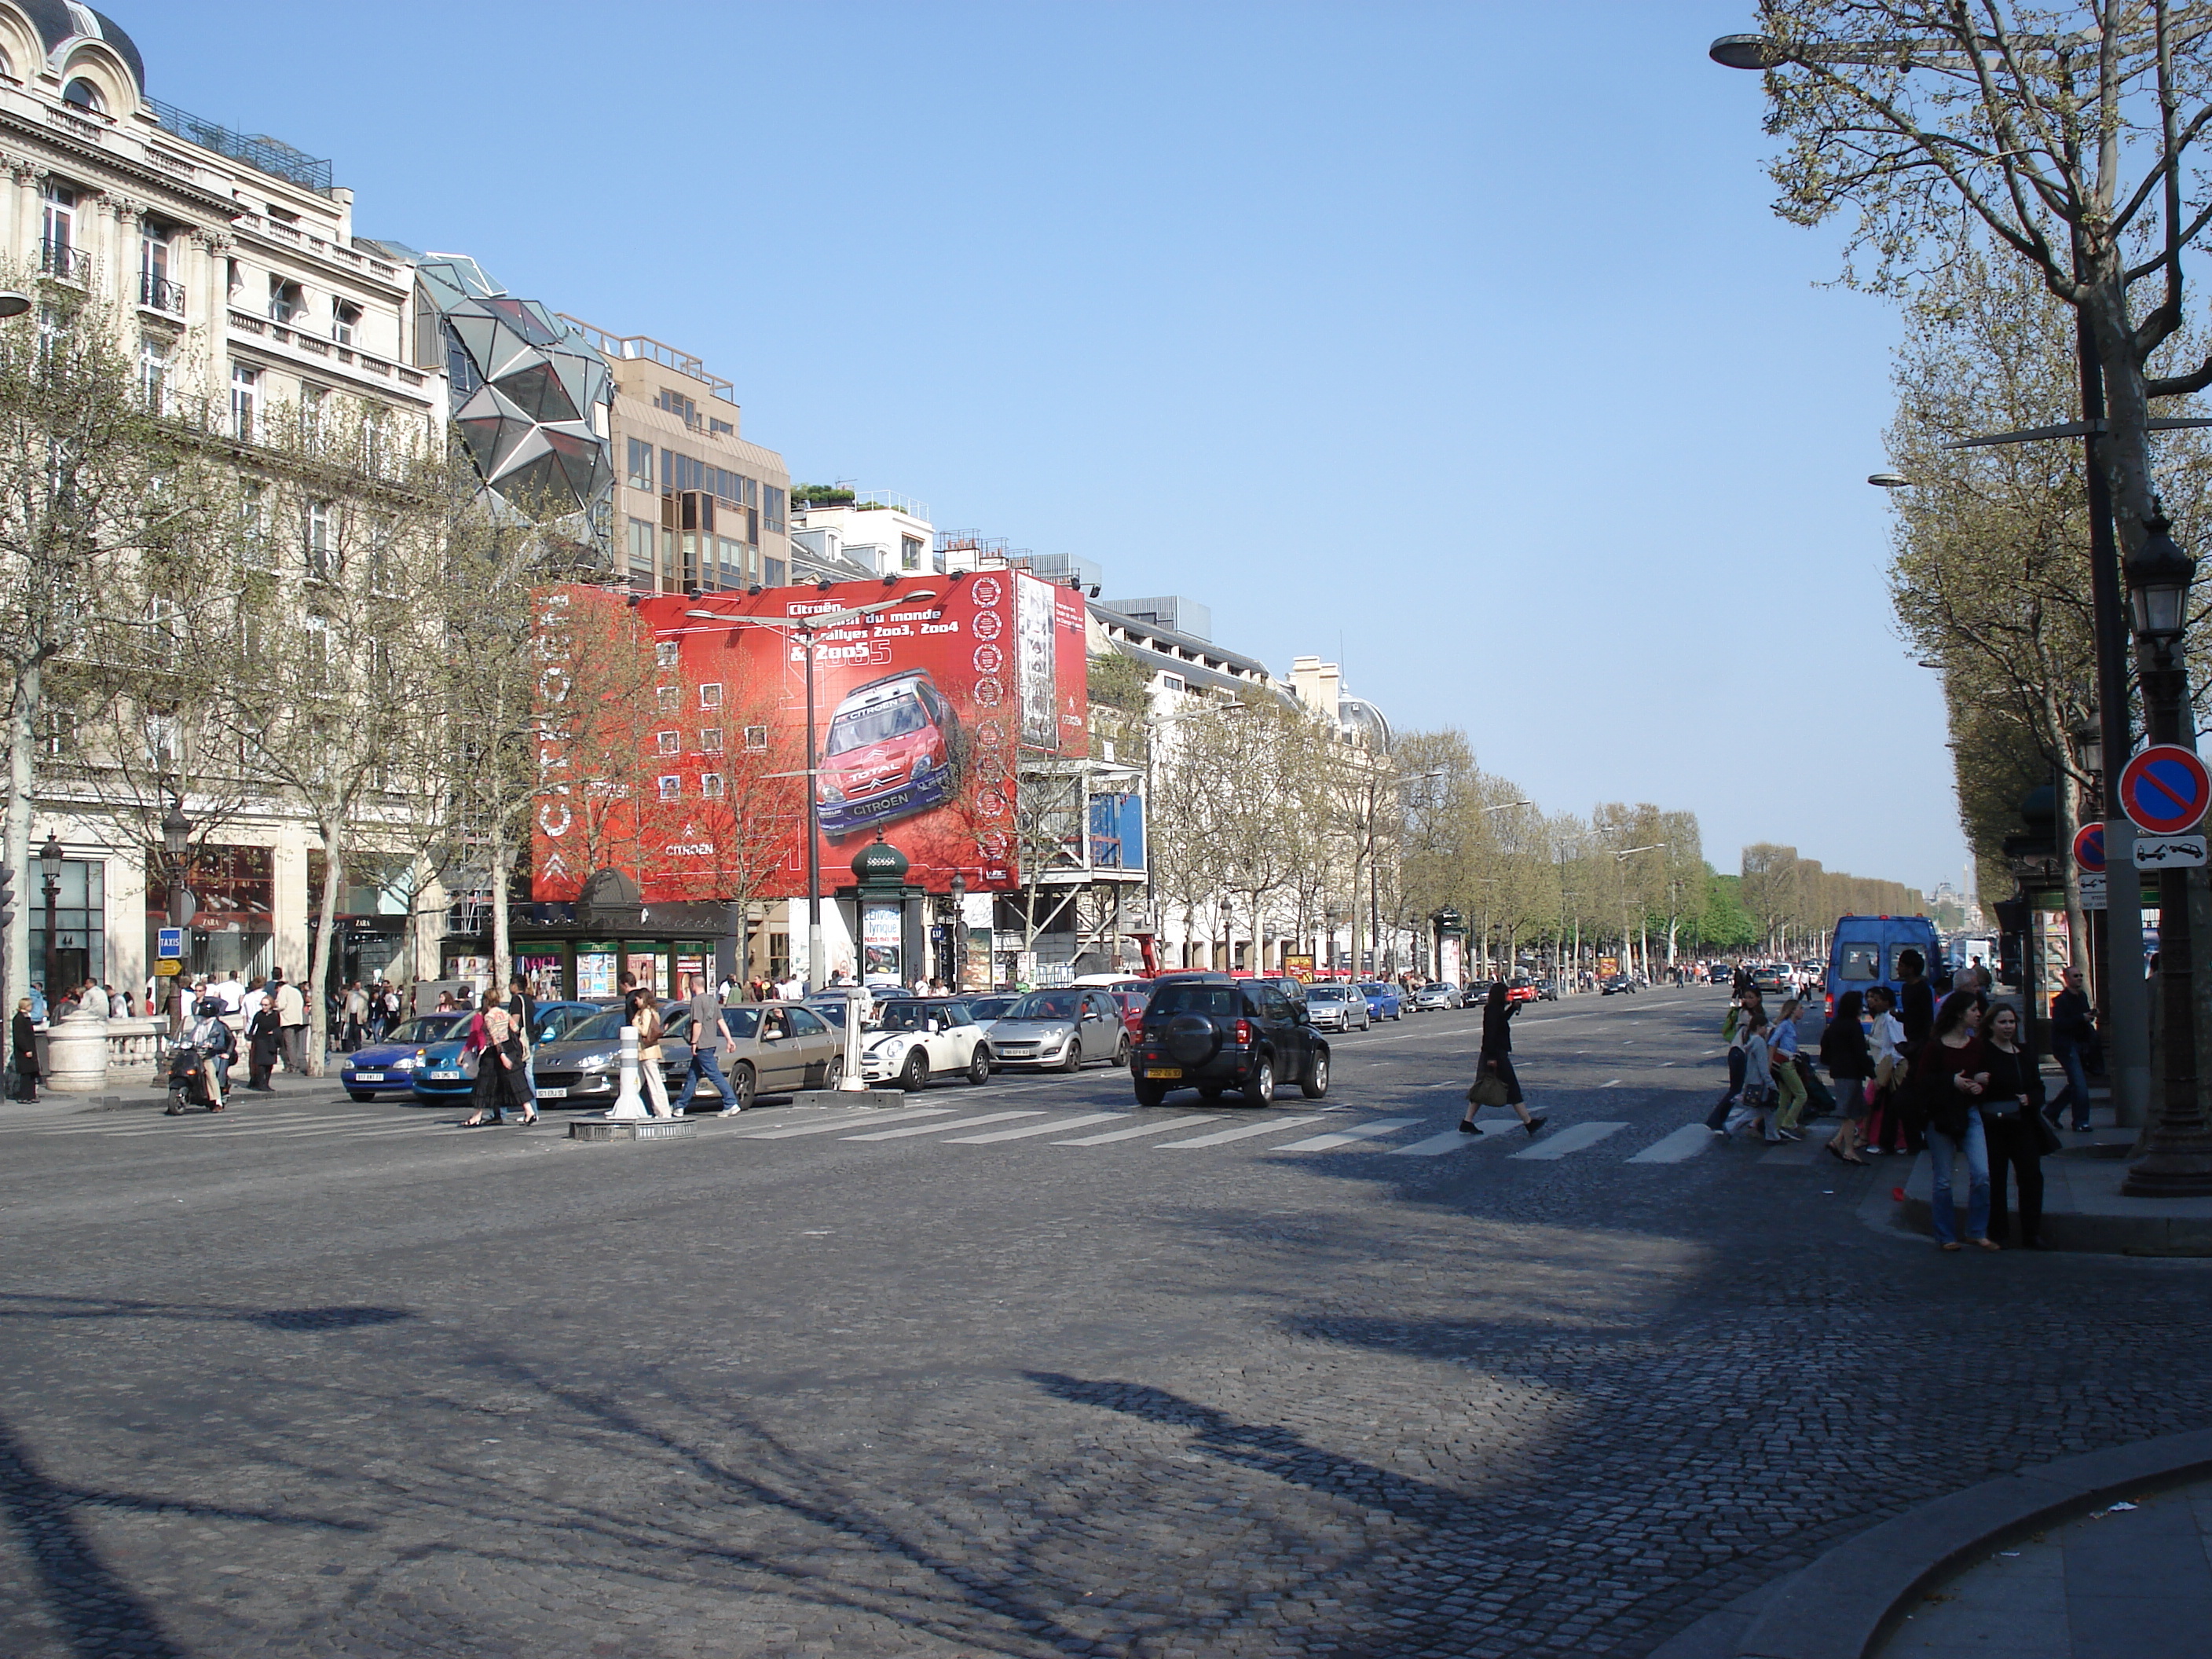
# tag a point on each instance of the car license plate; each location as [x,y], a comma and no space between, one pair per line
[1163,1071]
[443,1077]
[552,1094]
[368,1077]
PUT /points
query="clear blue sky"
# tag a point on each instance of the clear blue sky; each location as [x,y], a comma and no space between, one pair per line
[1457,340]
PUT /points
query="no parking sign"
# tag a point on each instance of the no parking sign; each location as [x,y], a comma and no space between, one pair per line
[2089,846]
[2165,789]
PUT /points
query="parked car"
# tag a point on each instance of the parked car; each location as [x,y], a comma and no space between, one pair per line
[1547,990]
[1383,1001]
[893,749]
[1440,995]
[1520,988]
[1062,1030]
[921,1037]
[439,1075]
[781,1048]
[1616,984]
[1131,1001]
[1212,1033]
[552,1021]
[388,1067]
[1289,985]
[1337,1008]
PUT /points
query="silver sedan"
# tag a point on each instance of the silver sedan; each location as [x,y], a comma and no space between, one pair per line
[1338,1008]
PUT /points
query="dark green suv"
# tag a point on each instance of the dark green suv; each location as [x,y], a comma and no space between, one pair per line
[1212,1033]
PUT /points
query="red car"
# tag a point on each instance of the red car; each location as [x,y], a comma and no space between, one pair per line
[1522,988]
[1132,1004]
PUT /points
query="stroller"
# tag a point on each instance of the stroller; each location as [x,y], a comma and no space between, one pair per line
[189,1062]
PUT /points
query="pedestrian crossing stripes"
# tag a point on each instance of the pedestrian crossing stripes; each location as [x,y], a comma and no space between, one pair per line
[1342,1132]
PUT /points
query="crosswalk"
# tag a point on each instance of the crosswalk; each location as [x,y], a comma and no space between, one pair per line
[1330,1130]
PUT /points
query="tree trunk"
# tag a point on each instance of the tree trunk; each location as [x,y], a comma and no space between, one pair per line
[319,972]
[502,942]
[22,749]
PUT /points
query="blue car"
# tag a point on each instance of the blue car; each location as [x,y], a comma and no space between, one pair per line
[438,1076]
[1383,1001]
[388,1067]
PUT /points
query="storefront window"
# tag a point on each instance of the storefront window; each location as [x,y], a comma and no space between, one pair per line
[79,925]
[545,976]
[233,891]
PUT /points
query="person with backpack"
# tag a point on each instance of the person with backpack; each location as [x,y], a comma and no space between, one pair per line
[1757,1096]
[1843,1051]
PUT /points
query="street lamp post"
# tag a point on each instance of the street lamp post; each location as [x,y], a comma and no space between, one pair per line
[2176,1155]
[808,631]
[50,869]
[176,842]
[955,933]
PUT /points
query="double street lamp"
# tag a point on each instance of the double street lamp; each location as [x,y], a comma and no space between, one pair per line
[2177,1158]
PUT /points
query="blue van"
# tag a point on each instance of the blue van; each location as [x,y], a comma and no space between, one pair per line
[1866,949]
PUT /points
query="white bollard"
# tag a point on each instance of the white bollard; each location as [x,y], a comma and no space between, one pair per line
[629,1103]
[856,998]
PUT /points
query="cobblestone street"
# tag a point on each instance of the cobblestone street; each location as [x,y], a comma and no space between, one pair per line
[405,1391]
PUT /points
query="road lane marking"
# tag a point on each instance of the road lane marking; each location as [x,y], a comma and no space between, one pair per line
[1435,1145]
[939,1128]
[1382,1126]
[1682,1145]
[1223,1137]
[1141,1129]
[1028,1129]
[900,1115]
[1572,1138]
[1610,1083]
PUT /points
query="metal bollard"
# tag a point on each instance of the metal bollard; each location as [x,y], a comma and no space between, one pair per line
[629,1103]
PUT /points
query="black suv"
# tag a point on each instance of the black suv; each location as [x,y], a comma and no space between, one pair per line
[1212,1033]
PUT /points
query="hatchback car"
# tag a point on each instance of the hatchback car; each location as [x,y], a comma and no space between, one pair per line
[1059,1031]
[987,1010]
[1443,994]
[1547,990]
[920,1038]
[1337,1008]
[893,749]
[389,1068]
[1383,1001]
[1208,1032]
[1522,988]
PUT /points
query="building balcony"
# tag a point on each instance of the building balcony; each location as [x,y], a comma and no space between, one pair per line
[160,294]
[59,259]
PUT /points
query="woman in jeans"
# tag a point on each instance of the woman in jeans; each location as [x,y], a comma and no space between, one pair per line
[2010,1127]
[1843,1051]
[1950,1077]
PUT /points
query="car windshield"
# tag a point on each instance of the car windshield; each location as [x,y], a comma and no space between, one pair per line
[1046,1005]
[904,1017]
[856,728]
[598,1028]
[429,1029]
[1325,993]
[1216,1001]
[991,1008]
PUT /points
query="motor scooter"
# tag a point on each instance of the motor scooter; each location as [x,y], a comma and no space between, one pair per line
[188,1080]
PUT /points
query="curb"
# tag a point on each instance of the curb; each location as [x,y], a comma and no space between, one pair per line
[1853,1596]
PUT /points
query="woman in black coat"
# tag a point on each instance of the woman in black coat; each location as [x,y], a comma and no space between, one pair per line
[2012,1124]
[1497,1060]
[264,1038]
[23,1051]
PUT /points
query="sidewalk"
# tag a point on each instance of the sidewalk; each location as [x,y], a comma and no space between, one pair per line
[2107,1555]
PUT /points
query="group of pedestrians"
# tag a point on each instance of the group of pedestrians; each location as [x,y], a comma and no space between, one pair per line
[1908,1075]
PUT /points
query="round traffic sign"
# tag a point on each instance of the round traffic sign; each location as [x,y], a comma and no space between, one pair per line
[2089,846]
[2165,789]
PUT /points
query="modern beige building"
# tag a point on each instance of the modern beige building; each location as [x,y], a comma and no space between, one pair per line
[697,505]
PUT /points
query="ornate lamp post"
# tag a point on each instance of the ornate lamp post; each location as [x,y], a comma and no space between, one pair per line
[50,867]
[2177,1157]
[177,843]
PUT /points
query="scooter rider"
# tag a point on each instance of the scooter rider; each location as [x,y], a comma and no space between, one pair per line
[212,1038]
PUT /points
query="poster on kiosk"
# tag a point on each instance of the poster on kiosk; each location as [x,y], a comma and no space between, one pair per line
[675,728]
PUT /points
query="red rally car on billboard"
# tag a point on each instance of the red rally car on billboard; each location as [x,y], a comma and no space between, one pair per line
[894,748]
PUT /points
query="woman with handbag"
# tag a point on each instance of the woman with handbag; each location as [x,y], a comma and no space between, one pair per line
[2015,1128]
[1757,1098]
[498,1053]
[1886,1039]
[1495,1084]
[1843,1051]
[1950,1079]
[644,1013]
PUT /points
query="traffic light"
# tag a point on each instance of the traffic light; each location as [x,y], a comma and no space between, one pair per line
[7,897]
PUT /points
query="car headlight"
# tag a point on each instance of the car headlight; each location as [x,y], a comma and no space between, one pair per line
[832,795]
[922,764]
[405,1063]
[598,1062]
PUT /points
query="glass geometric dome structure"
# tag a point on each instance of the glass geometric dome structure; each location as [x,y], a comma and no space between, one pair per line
[526,388]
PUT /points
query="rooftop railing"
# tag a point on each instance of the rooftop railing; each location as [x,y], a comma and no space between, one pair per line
[258,150]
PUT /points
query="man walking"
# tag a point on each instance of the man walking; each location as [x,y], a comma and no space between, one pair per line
[291,1020]
[2072,1027]
[710,1038]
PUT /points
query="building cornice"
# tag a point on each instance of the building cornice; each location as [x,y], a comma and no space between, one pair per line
[47,143]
